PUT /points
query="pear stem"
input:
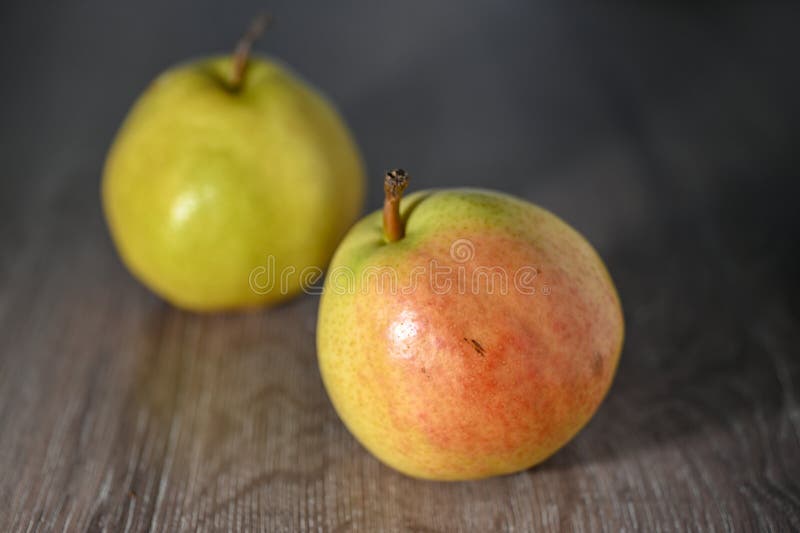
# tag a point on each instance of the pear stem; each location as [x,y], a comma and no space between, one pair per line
[394,184]
[244,46]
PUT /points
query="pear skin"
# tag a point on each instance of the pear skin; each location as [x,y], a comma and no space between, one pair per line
[475,345]
[205,183]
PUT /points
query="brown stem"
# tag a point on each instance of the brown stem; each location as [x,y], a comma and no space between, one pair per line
[242,52]
[394,184]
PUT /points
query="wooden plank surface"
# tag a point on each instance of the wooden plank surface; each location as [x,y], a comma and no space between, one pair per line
[663,133]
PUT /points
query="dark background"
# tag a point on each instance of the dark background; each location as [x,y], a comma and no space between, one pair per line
[666,132]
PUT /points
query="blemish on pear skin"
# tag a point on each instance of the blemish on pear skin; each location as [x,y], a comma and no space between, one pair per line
[476,346]
[597,364]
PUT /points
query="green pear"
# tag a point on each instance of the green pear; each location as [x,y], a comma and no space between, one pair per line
[229,179]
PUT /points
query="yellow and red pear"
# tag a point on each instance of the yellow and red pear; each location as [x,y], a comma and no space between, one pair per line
[466,333]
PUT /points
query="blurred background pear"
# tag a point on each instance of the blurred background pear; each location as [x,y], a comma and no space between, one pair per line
[228,167]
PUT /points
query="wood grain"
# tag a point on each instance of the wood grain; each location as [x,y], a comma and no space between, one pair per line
[120,413]
[124,414]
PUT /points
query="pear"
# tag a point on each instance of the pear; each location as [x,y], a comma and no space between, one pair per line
[229,179]
[466,333]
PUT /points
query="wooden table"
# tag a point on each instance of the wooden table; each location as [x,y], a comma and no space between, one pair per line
[667,134]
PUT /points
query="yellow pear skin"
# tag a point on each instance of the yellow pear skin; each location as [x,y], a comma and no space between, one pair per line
[205,182]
